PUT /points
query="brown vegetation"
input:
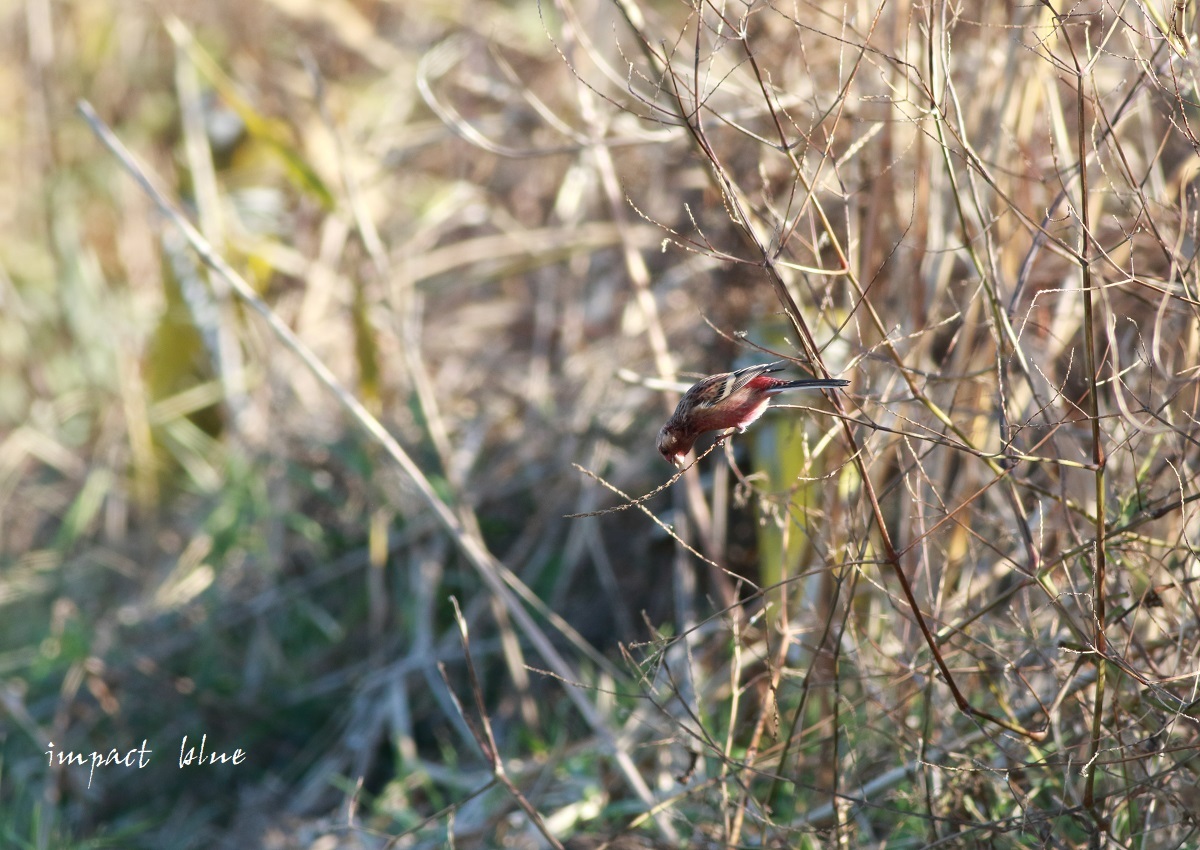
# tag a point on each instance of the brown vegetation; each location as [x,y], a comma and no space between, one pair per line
[954,605]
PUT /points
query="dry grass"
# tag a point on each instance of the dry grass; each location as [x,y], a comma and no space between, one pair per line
[953,606]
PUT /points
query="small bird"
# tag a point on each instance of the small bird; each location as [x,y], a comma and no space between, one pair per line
[731,400]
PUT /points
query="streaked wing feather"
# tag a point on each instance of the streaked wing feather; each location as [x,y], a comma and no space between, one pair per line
[744,376]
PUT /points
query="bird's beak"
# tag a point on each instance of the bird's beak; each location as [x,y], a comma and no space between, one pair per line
[679,460]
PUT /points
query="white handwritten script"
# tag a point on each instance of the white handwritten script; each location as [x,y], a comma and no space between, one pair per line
[139,757]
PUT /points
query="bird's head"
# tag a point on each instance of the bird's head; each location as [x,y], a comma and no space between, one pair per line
[673,444]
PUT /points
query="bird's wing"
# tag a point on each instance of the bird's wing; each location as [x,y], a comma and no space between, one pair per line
[741,377]
[716,388]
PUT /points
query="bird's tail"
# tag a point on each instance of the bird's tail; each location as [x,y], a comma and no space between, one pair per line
[811,384]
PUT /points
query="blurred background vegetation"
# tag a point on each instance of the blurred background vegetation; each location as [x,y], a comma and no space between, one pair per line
[954,606]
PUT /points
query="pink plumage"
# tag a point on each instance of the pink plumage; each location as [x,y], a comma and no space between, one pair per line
[729,401]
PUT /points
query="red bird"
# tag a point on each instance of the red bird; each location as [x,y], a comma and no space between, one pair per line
[727,401]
